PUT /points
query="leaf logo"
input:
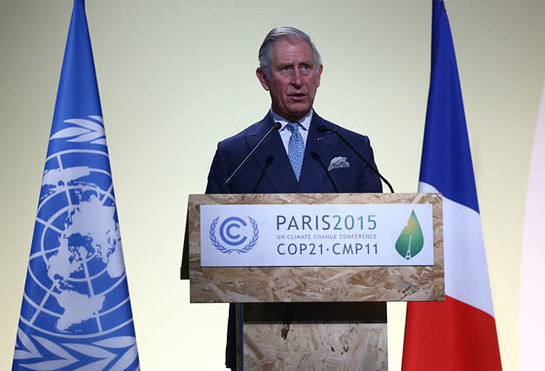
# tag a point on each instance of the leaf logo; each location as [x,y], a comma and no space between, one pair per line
[411,239]
[83,130]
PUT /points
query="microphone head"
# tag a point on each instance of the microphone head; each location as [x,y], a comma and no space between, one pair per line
[321,129]
[277,125]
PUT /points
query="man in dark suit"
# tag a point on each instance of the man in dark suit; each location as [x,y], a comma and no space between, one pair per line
[290,69]
[304,155]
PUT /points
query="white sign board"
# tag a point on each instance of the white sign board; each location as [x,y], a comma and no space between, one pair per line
[316,235]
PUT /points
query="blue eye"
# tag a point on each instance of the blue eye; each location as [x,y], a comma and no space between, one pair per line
[285,70]
[305,68]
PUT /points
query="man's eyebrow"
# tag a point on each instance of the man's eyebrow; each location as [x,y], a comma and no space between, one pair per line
[287,64]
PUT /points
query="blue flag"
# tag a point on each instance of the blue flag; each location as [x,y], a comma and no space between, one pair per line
[76,311]
[446,156]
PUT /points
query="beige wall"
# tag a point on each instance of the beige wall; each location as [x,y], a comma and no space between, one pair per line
[177,76]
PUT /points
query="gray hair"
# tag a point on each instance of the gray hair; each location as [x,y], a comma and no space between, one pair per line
[280,33]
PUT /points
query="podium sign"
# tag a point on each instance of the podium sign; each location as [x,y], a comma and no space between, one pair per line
[315,247]
[285,235]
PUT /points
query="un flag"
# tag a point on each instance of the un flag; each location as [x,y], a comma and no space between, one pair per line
[76,311]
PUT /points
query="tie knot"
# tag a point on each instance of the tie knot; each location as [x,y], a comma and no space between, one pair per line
[293,126]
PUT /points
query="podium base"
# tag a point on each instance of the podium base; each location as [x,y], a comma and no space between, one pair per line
[315,336]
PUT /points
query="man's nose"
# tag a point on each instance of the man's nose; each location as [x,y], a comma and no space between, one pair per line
[297,78]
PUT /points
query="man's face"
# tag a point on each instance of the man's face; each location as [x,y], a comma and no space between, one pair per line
[293,79]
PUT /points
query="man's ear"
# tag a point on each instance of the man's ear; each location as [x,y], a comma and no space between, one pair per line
[262,78]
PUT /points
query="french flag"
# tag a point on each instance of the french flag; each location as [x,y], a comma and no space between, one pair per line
[460,333]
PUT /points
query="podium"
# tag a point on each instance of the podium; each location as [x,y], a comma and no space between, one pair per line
[313,272]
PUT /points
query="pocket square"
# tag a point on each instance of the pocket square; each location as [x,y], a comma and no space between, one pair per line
[338,163]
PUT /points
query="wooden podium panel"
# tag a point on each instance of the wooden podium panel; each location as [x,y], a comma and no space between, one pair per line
[312,318]
[315,284]
[315,336]
[316,346]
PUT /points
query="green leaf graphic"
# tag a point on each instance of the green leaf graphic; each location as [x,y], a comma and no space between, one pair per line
[411,240]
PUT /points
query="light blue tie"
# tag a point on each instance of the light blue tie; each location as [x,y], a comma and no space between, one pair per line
[296,148]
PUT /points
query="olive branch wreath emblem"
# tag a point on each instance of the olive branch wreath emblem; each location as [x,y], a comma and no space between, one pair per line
[121,349]
[242,250]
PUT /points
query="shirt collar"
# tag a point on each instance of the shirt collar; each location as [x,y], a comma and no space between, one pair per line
[304,122]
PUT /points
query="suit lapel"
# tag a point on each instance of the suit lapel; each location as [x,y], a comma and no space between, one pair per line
[273,162]
[272,158]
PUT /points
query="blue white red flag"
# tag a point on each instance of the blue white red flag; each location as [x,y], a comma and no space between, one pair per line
[460,333]
[76,311]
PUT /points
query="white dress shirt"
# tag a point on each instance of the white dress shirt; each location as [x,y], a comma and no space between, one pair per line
[285,134]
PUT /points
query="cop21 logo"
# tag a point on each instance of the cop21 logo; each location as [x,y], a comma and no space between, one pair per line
[235,234]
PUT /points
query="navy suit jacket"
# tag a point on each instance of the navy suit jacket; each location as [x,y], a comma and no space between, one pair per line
[270,171]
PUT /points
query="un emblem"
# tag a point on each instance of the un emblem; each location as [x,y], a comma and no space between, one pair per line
[235,235]
[76,296]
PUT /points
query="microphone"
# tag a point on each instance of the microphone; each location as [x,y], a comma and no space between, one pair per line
[322,129]
[276,126]
[316,156]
